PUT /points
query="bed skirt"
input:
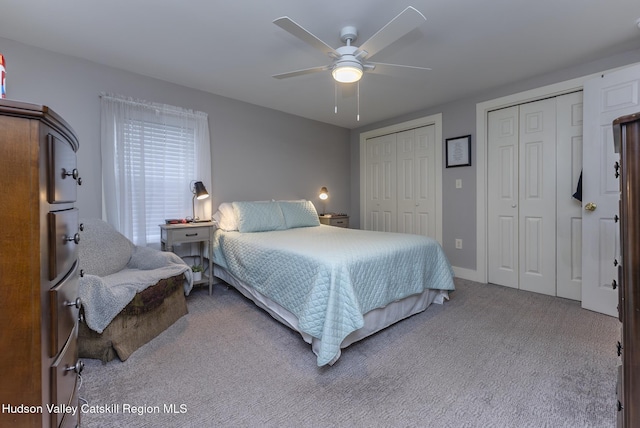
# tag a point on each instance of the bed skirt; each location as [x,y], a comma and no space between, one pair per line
[374,320]
[151,312]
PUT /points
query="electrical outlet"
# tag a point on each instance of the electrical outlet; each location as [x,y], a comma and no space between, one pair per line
[459,244]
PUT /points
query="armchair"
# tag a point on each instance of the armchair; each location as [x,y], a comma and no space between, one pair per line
[129,293]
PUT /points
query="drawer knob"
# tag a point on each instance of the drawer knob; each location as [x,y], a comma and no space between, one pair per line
[75,238]
[77,303]
[74,174]
[77,367]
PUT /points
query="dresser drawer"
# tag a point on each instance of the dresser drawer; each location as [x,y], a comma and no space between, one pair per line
[64,306]
[63,176]
[63,241]
[64,381]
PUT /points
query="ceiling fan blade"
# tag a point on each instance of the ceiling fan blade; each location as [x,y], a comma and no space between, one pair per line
[382,68]
[408,20]
[301,72]
[294,28]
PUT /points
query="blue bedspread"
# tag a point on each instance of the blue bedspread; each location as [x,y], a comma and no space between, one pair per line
[329,277]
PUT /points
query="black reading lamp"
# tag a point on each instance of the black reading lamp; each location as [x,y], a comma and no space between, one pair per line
[199,192]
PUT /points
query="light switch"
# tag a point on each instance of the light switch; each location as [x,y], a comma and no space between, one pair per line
[459,183]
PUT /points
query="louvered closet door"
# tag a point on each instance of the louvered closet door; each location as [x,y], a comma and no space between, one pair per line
[381,187]
[416,181]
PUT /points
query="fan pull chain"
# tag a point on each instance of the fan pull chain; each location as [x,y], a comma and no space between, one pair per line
[335,97]
[358,96]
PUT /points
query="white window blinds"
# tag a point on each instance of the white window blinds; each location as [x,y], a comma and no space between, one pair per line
[151,154]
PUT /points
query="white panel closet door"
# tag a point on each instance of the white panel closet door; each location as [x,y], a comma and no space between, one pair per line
[417,181]
[381,189]
[503,133]
[405,150]
[605,98]
[521,197]
[537,216]
[569,218]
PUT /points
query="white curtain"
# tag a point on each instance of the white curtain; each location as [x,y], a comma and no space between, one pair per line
[151,155]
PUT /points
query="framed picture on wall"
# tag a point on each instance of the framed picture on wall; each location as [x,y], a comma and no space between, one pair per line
[458,151]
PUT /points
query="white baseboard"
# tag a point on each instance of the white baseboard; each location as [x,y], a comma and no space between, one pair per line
[463,273]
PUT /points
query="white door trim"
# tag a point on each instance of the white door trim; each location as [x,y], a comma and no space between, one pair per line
[482,111]
[436,120]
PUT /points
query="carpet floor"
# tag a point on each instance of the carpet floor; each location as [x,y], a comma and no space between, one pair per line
[490,357]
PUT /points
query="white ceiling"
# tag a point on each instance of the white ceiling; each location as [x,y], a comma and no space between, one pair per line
[232,48]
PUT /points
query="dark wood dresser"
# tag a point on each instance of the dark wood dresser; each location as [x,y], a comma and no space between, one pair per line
[626,133]
[39,304]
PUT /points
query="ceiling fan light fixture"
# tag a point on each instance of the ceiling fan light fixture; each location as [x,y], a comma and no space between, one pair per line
[347,72]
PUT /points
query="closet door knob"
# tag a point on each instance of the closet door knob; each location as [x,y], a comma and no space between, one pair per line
[591,206]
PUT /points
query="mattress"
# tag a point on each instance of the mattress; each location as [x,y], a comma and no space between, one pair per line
[328,278]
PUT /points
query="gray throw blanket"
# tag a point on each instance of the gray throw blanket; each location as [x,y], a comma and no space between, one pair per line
[104,297]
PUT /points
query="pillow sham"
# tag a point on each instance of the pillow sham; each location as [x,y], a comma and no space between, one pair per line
[258,216]
[227,217]
[299,214]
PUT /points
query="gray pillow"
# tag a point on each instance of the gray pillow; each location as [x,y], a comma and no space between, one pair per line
[102,249]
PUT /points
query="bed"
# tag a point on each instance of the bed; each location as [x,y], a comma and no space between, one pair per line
[334,286]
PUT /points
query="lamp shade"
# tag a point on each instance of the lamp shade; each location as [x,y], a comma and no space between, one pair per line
[200,191]
[324,193]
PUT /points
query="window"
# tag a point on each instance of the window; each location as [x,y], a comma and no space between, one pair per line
[151,154]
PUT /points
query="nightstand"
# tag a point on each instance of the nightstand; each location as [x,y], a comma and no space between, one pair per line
[338,220]
[182,233]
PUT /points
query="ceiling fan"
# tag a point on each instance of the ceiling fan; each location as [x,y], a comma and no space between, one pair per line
[350,62]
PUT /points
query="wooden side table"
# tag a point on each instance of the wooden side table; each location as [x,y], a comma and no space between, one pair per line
[173,234]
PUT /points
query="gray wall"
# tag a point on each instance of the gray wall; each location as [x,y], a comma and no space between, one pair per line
[257,153]
[459,118]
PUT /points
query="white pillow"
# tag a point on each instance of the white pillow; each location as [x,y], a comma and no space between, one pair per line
[227,217]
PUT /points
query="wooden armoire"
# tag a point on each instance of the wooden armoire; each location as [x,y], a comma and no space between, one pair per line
[626,132]
[39,303]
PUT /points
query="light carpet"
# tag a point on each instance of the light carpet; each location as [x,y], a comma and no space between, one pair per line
[489,357]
